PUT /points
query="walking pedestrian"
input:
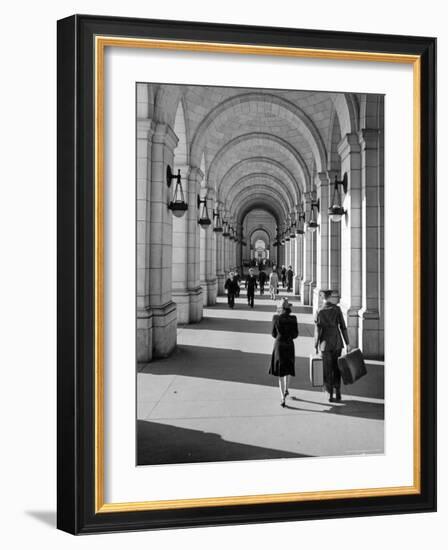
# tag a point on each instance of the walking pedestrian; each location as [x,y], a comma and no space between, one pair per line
[237,279]
[289,278]
[251,285]
[284,329]
[283,276]
[329,325]
[273,283]
[232,288]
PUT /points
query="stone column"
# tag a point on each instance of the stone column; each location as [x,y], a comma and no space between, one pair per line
[208,252]
[334,241]
[145,130]
[371,326]
[160,248]
[351,261]
[297,267]
[195,177]
[181,254]
[322,282]
[287,252]
[334,255]
[307,244]
[220,275]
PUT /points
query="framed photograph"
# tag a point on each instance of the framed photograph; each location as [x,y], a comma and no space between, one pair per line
[246,274]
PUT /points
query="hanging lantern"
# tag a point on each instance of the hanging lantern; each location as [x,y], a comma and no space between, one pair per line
[300,230]
[312,224]
[336,211]
[178,205]
[217,226]
[204,220]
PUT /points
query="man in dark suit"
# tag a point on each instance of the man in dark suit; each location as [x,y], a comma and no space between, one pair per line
[251,285]
[289,278]
[232,287]
[329,326]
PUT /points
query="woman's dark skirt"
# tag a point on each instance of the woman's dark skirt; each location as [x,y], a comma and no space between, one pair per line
[283,358]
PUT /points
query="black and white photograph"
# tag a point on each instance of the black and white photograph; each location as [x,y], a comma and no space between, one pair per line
[259,274]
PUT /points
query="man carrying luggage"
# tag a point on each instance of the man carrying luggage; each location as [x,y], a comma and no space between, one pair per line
[329,325]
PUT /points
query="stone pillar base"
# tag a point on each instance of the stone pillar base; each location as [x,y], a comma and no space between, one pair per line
[296,285]
[212,291]
[196,305]
[352,321]
[221,278]
[371,334]
[182,300]
[164,329]
[311,293]
[305,292]
[317,299]
[144,336]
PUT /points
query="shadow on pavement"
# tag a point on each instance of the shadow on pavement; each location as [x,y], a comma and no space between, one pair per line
[252,368]
[162,444]
[351,407]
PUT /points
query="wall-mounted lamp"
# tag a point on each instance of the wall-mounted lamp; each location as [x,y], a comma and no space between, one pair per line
[225,228]
[312,224]
[204,220]
[178,205]
[292,229]
[300,222]
[217,226]
[336,211]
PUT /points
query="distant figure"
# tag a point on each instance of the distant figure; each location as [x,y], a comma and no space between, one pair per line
[273,284]
[262,280]
[237,279]
[289,277]
[251,285]
[232,287]
[329,324]
[283,276]
[284,330]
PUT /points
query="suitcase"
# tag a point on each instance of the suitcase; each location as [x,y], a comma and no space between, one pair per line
[316,371]
[352,366]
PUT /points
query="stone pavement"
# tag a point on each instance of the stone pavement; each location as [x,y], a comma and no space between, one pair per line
[214,400]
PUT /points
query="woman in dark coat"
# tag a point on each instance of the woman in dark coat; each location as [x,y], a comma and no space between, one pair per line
[284,330]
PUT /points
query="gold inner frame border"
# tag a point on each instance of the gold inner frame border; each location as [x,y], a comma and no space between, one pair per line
[100,44]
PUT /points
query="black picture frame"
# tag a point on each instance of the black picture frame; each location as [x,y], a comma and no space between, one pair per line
[76,255]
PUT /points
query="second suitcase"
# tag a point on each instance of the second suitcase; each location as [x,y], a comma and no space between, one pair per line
[352,366]
[316,371]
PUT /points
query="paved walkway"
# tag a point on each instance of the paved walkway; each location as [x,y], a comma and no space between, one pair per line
[213,399]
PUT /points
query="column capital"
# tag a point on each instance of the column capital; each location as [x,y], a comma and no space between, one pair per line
[349,144]
[322,179]
[165,135]
[368,138]
[195,174]
[145,128]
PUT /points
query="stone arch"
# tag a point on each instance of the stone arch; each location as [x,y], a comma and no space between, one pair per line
[255,164]
[259,137]
[334,137]
[347,111]
[284,109]
[264,202]
[259,180]
[180,129]
[371,111]
[254,234]
[271,199]
[166,103]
